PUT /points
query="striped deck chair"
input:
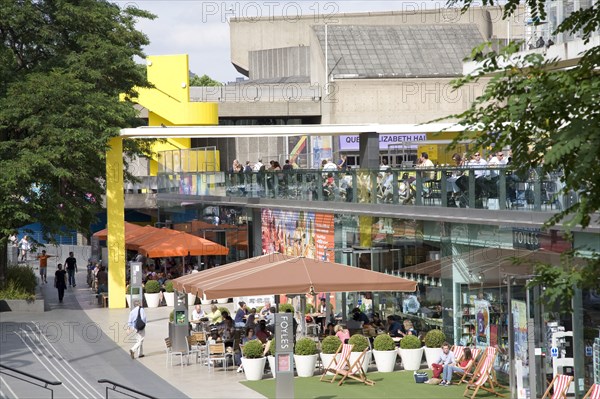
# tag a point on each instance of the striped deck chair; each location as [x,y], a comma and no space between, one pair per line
[355,371]
[560,385]
[482,373]
[341,362]
[469,371]
[458,352]
[593,393]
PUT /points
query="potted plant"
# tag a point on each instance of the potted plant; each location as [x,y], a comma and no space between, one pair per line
[152,293]
[384,352]
[131,293]
[329,346]
[253,360]
[411,352]
[433,345]
[285,306]
[169,293]
[305,357]
[360,343]
[271,356]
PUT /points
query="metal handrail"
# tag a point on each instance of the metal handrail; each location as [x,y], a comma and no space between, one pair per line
[116,384]
[46,382]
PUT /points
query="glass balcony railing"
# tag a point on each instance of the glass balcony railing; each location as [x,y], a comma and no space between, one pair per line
[485,188]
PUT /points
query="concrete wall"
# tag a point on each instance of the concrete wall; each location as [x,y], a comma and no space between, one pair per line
[395,100]
[253,34]
[279,62]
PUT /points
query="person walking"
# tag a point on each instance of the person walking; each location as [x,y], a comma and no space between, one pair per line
[60,282]
[136,312]
[71,266]
[43,258]
[24,247]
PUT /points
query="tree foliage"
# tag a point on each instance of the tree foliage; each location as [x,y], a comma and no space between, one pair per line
[204,81]
[63,65]
[549,116]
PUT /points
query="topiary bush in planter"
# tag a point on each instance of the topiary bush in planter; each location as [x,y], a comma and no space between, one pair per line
[359,341]
[384,342]
[152,287]
[305,346]
[310,308]
[410,342]
[435,338]
[330,344]
[253,349]
[132,291]
[169,286]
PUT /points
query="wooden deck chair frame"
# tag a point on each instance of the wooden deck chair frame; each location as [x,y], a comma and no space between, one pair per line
[482,375]
[560,383]
[356,371]
[344,351]
[469,372]
[593,393]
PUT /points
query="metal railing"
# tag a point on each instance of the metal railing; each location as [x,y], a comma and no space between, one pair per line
[116,385]
[467,187]
[33,377]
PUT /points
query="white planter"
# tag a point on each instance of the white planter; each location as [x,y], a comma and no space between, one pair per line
[169,298]
[191,299]
[152,299]
[411,358]
[222,300]
[432,355]
[271,360]
[305,364]
[254,368]
[385,360]
[366,360]
[326,360]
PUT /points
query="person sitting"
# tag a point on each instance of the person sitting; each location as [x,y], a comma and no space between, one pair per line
[342,333]
[270,319]
[197,314]
[102,278]
[264,312]
[464,364]
[240,315]
[214,317]
[262,333]
[408,329]
[394,327]
[329,330]
[377,322]
[250,323]
[445,358]
[237,358]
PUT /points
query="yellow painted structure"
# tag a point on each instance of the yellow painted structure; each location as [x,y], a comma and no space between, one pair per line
[115,210]
[168,104]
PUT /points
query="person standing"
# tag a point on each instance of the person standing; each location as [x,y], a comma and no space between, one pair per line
[139,334]
[24,247]
[43,258]
[60,282]
[71,266]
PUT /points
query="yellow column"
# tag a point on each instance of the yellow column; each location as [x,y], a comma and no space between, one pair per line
[365,224]
[115,210]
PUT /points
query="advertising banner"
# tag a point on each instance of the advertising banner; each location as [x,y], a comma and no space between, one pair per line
[352,142]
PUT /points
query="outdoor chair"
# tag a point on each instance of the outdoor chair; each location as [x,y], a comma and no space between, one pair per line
[468,371]
[171,353]
[593,393]
[458,352]
[482,375]
[559,385]
[193,348]
[200,343]
[217,353]
[355,371]
[340,361]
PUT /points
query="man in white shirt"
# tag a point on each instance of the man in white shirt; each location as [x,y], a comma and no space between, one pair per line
[139,334]
[330,166]
[258,165]
[478,161]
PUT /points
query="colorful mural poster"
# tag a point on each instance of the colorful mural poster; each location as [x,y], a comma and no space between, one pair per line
[322,148]
[482,312]
[294,233]
[519,313]
[298,151]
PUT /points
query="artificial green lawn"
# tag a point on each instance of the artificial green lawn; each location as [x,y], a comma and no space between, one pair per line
[399,384]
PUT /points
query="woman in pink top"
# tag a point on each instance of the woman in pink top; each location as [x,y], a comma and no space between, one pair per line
[342,333]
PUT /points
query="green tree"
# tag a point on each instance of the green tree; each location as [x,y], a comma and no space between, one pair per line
[550,117]
[63,65]
[204,80]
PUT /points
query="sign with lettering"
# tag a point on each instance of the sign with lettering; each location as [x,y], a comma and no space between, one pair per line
[526,238]
[352,142]
[284,337]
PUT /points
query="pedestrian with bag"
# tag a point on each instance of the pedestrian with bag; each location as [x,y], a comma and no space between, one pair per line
[60,282]
[137,323]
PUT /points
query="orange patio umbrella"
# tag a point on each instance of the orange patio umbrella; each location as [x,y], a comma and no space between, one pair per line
[181,244]
[282,274]
[139,238]
[129,228]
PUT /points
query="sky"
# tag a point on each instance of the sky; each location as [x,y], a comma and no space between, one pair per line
[201,30]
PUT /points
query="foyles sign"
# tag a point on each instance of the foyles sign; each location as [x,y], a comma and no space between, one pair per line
[526,238]
[352,143]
